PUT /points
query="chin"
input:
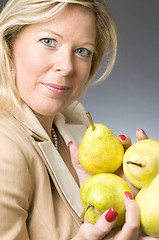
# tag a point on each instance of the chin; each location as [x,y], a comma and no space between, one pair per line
[50,108]
[48,112]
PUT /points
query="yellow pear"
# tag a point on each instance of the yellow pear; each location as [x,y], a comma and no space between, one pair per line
[100,150]
[102,192]
[141,162]
[148,202]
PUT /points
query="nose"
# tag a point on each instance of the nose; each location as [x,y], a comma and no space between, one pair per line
[63,63]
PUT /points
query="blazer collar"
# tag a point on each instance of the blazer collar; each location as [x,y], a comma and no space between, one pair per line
[72,118]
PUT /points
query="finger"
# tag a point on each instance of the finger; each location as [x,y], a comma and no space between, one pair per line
[101,228]
[147,238]
[132,212]
[82,174]
[106,221]
[140,134]
[130,230]
[143,236]
[125,140]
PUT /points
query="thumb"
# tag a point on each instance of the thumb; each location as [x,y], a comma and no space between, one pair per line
[82,174]
[102,228]
[73,150]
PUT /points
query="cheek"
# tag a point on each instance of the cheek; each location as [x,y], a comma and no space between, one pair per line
[27,62]
[84,68]
[81,81]
[27,59]
[84,73]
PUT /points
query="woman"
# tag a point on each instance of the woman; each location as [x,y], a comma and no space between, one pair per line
[49,52]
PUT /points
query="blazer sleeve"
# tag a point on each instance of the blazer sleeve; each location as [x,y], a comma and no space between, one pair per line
[15,188]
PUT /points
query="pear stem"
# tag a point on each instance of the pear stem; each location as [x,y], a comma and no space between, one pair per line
[90,120]
[84,211]
[135,163]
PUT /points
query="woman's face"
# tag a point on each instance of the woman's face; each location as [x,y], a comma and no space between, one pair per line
[53,59]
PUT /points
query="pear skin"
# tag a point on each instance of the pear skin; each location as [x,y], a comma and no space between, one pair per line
[148,202]
[141,162]
[100,150]
[102,192]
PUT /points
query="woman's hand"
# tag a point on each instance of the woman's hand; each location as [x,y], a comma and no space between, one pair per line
[126,141]
[101,230]
[82,174]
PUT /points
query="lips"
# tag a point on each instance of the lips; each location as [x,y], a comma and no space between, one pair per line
[56,89]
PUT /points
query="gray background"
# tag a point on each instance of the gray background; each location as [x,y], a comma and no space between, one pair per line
[128,99]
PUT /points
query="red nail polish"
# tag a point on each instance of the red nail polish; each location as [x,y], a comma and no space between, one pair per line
[141,130]
[111,215]
[128,195]
[68,145]
[122,137]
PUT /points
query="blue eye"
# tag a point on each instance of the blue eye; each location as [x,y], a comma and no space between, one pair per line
[83,52]
[49,42]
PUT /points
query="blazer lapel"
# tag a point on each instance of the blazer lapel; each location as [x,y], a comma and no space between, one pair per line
[64,179]
[67,184]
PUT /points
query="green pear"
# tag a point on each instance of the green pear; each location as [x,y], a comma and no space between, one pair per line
[148,202]
[100,150]
[141,162]
[102,192]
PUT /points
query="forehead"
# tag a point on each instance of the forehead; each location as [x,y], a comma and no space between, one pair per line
[74,14]
[73,20]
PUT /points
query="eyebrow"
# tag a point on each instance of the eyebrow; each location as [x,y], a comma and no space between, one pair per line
[46,30]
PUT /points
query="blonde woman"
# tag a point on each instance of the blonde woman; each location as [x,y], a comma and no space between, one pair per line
[49,52]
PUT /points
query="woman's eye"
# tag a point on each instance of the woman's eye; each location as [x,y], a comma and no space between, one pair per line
[49,42]
[83,52]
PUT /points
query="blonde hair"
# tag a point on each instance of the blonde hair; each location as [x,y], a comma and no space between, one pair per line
[19,13]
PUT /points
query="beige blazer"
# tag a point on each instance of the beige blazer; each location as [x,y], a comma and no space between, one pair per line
[39,199]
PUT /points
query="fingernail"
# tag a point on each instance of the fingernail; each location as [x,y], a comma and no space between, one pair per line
[141,130]
[111,215]
[122,137]
[68,145]
[128,195]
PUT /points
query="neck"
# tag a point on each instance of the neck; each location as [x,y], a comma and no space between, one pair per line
[46,122]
